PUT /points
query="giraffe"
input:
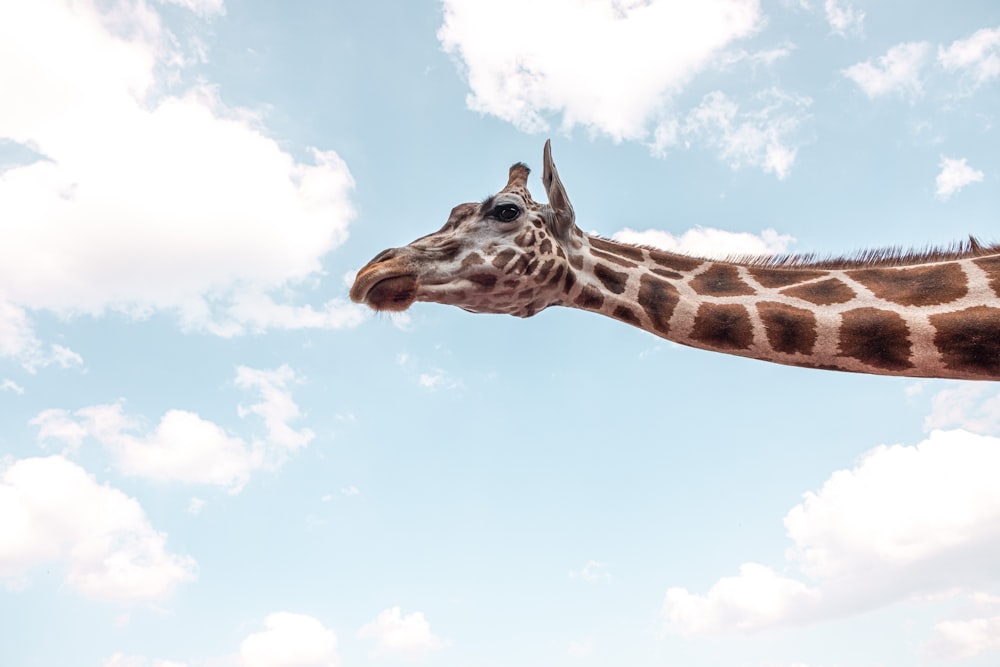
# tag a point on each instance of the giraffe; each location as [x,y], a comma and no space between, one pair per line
[931,314]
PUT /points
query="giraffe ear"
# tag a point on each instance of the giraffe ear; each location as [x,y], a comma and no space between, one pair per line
[562,211]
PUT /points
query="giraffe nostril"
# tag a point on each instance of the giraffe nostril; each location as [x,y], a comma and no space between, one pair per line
[384,255]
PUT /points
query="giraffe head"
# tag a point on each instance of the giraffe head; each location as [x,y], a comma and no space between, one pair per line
[507,254]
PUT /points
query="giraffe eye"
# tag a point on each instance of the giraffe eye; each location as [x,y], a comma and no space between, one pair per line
[505,213]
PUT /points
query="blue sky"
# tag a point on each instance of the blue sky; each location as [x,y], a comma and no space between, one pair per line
[210,457]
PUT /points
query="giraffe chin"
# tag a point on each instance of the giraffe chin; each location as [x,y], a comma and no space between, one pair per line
[393,294]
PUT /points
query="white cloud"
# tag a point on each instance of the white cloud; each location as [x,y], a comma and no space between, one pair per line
[580,649]
[18,341]
[551,66]
[592,570]
[167,202]
[259,312]
[760,137]
[350,490]
[554,64]
[195,505]
[977,55]
[898,71]
[55,424]
[709,242]
[276,407]
[9,385]
[766,57]
[184,447]
[842,17]
[757,597]
[971,406]
[52,510]
[290,640]
[439,379]
[404,637]
[967,638]
[955,174]
[202,7]
[861,546]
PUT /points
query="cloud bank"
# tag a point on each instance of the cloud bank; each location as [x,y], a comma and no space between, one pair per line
[184,447]
[52,510]
[906,521]
[169,201]
[616,69]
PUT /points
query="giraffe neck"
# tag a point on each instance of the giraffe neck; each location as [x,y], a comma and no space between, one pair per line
[931,317]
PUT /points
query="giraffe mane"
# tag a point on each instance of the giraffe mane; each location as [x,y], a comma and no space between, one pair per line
[878,257]
[863,259]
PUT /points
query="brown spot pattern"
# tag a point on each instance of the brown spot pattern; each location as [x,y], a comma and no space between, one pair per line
[991,265]
[629,251]
[518,266]
[667,274]
[570,281]
[473,259]
[969,340]
[720,280]
[676,262]
[613,280]
[484,280]
[658,299]
[543,272]
[878,338]
[590,298]
[545,247]
[626,314]
[917,286]
[525,238]
[503,257]
[557,276]
[774,278]
[723,326]
[822,293]
[614,259]
[789,330]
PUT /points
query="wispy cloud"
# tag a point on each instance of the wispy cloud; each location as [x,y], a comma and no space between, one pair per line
[184,447]
[760,134]
[955,174]
[592,570]
[843,18]
[897,72]
[9,385]
[977,55]
[438,379]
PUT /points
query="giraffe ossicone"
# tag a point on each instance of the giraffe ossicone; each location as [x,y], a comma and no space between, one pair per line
[932,314]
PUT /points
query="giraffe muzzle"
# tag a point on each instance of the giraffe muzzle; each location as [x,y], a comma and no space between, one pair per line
[385,283]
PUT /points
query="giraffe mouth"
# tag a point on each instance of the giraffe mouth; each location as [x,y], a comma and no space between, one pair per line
[384,292]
